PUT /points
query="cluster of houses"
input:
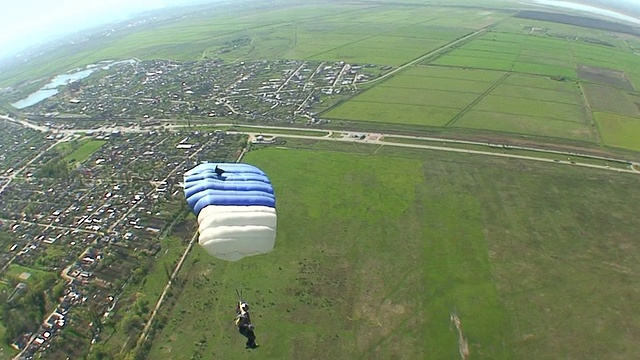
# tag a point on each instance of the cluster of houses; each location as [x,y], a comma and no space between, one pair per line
[285,89]
[91,226]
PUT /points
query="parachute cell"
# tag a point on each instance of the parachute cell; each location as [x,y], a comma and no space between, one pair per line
[236,209]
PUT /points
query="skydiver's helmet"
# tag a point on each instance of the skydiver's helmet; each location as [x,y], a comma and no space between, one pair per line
[244,306]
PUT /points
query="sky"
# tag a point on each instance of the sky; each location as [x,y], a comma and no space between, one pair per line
[25,23]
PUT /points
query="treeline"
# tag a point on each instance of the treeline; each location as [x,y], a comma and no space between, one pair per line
[26,310]
[55,169]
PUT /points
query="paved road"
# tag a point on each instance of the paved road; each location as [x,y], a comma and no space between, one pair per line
[449,149]
[329,132]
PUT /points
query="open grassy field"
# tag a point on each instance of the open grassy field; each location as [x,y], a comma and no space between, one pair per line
[526,125]
[372,264]
[619,130]
[610,99]
[84,151]
[394,113]
[533,107]
[15,270]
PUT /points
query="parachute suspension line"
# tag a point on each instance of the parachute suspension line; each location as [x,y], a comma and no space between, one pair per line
[241,302]
[239,295]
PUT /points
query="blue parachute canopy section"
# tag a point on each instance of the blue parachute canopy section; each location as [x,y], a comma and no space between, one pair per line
[227,184]
[236,209]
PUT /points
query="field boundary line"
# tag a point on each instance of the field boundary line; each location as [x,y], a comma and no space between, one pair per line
[437,51]
[592,118]
[477,100]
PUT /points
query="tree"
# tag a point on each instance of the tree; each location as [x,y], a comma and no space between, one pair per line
[58,290]
[98,352]
[130,322]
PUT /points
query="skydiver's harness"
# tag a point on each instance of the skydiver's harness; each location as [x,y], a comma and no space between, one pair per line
[242,311]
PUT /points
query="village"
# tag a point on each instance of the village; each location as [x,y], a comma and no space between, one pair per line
[79,225]
[267,91]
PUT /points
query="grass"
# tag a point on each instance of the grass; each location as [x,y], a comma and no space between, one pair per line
[15,271]
[619,130]
[533,107]
[438,84]
[527,271]
[156,279]
[6,351]
[393,113]
[150,288]
[84,151]
[530,100]
[336,309]
[453,73]
[603,98]
[427,98]
[508,151]
[527,125]
[541,82]
[537,94]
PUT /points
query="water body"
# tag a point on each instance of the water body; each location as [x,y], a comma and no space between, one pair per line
[51,88]
[589,9]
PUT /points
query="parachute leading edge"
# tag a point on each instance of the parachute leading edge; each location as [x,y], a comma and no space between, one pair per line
[236,209]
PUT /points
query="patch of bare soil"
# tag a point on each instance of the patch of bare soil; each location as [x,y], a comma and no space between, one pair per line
[605,76]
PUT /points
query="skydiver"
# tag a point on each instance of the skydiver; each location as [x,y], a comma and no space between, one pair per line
[245,327]
[219,171]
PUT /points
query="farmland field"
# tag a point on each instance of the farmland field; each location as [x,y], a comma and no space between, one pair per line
[610,99]
[531,107]
[369,264]
[394,113]
[619,130]
[526,125]
[551,87]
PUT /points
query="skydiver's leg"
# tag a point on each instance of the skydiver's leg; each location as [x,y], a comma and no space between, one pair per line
[251,340]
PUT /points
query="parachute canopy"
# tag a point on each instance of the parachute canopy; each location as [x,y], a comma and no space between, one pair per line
[236,209]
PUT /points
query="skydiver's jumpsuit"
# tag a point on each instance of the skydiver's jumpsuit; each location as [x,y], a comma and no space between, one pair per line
[246,331]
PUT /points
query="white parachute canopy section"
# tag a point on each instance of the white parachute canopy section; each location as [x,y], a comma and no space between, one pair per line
[236,209]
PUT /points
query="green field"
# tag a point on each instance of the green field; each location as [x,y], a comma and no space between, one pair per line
[15,270]
[533,107]
[542,94]
[526,125]
[369,264]
[619,130]
[610,99]
[84,151]
[393,113]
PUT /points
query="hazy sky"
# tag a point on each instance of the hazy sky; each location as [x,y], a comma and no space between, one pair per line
[28,22]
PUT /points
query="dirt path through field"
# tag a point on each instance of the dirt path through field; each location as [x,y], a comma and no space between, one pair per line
[463,346]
